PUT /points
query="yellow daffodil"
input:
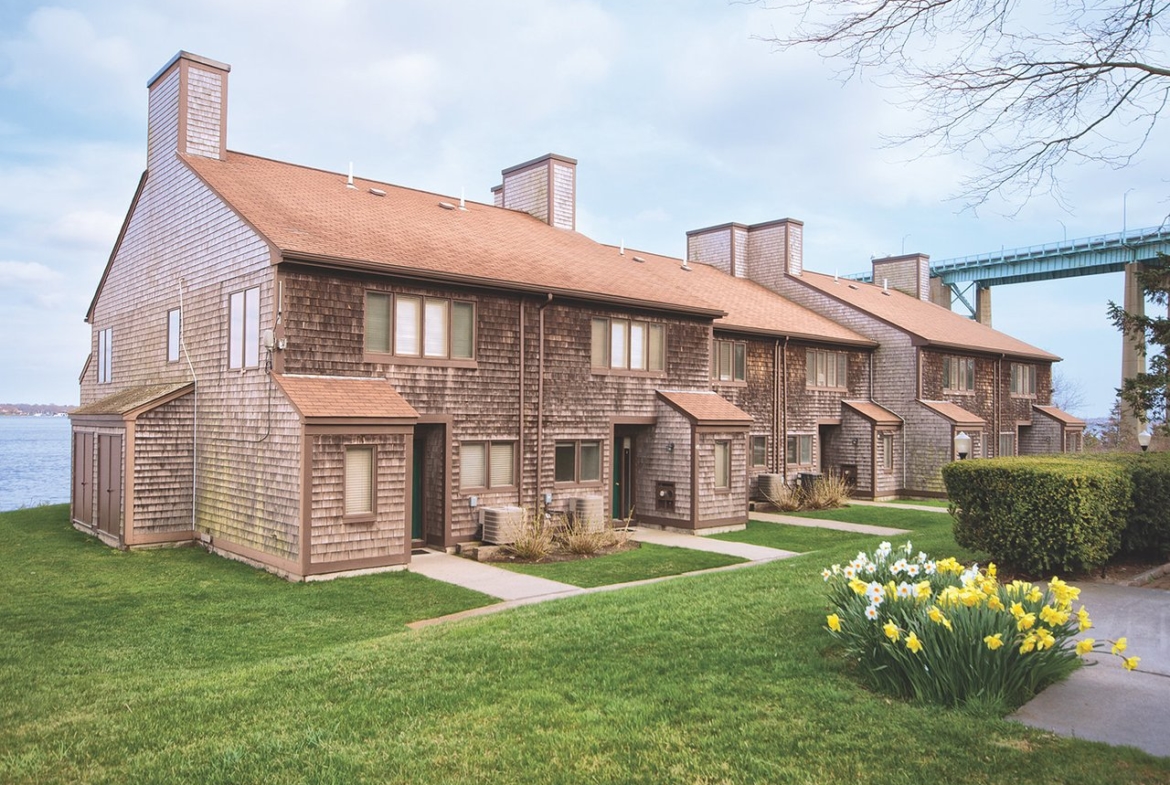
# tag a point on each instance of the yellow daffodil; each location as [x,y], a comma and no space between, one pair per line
[1035,595]
[1083,621]
[1029,644]
[935,615]
[892,631]
[858,586]
[1050,615]
[834,622]
[1017,610]
[1044,639]
[1026,622]
[994,641]
[1119,646]
[995,603]
[1085,646]
[922,590]
[1132,662]
[915,645]
[991,572]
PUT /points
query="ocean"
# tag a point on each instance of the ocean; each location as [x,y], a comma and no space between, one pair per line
[34,461]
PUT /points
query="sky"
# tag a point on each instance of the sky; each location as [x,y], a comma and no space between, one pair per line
[679,115]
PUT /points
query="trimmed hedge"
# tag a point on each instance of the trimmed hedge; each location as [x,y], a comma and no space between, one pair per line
[1040,515]
[1148,529]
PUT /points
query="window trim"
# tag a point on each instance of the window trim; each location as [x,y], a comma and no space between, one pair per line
[762,440]
[105,352]
[174,334]
[788,452]
[1023,380]
[837,360]
[577,444]
[487,445]
[735,352]
[886,440]
[964,369]
[626,329]
[419,357]
[371,514]
[242,338]
[725,461]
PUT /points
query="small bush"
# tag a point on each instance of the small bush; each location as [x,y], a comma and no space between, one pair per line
[1040,515]
[1147,529]
[935,632]
[826,492]
[534,539]
[783,497]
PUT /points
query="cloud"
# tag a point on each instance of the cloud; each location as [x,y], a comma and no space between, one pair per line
[28,274]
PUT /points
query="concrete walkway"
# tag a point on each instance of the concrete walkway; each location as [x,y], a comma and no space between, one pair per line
[1104,702]
[753,553]
[820,523]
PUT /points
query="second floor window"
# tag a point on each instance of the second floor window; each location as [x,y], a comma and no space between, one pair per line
[729,361]
[105,355]
[173,325]
[1023,379]
[826,369]
[628,344]
[433,328]
[244,329]
[959,374]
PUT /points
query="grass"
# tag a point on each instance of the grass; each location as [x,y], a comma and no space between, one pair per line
[801,539]
[647,561]
[120,668]
[941,503]
[882,516]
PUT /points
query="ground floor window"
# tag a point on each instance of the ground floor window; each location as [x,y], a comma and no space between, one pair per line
[487,464]
[759,450]
[359,481]
[799,450]
[1007,444]
[722,464]
[578,461]
[887,444]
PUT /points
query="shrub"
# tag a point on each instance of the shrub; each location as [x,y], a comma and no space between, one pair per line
[534,538]
[782,496]
[826,492]
[1040,515]
[940,633]
[1147,528]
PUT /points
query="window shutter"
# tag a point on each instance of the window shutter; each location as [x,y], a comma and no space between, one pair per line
[378,323]
[503,464]
[472,465]
[462,330]
[359,475]
[406,323]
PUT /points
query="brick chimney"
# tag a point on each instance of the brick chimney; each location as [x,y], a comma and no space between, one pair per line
[762,252]
[545,187]
[187,109]
[909,273]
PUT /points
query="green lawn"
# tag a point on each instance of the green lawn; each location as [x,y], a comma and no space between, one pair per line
[800,539]
[647,561]
[943,503]
[883,516]
[177,667]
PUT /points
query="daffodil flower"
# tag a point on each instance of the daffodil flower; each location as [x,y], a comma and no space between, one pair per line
[891,630]
[1132,662]
[1119,646]
[1085,646]
[994,641]
[913,644]
[871,612]
[834,622]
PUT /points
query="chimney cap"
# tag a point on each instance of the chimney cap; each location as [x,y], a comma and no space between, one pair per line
[546,157]
[185,55]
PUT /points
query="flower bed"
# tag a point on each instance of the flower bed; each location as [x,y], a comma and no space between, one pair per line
[942,633]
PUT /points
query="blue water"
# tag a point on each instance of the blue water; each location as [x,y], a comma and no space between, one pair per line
[34,461]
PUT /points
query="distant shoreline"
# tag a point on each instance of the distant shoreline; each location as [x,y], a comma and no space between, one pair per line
[34,409]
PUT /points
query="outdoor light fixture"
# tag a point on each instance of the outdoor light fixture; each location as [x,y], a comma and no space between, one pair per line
[670,447]
[1144,440]
[962,444]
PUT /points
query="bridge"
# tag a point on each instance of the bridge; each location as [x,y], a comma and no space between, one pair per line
[969,279]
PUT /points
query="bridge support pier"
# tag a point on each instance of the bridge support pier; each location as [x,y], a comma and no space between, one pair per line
[1133,356]
[983,304]
[940,293]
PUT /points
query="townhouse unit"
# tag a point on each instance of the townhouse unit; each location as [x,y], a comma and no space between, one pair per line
[318,373]
[934,375]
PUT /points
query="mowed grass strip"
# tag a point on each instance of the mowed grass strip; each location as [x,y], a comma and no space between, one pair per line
[726,677]
[642,563]
[801,539]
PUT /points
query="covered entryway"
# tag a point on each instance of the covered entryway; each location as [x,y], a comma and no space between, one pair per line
[428,488]
[625,475]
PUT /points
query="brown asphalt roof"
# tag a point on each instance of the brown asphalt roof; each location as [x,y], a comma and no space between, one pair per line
[337,397]
[1059,415]
[955,413]
[311,215]
[131,399]
[706,408]
[873,412]
[931,324]
[752,308]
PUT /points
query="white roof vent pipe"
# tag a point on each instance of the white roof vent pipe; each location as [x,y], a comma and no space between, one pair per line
[349,180]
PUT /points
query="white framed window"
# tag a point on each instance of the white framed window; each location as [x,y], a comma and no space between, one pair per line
[1007,444]
[729,361]
[722,464]
[433,328]
[105,355]
[959,374]
[244,329]
[1023,379]
[625,344]
[578,461]
[359,482]
[487,464]
[799,450]
[826,369]
[174,324]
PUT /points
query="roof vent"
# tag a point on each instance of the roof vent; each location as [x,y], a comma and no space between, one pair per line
[853,286]
[639,259]
[462,201]
[622,248]
[886,287]
[377,192]
[349,180]
[686,266]
[446,205]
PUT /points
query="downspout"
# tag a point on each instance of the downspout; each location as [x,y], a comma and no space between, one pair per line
[999,405]
[194,405]
[520,479]
[784,415]
[776,407]
[540,402]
